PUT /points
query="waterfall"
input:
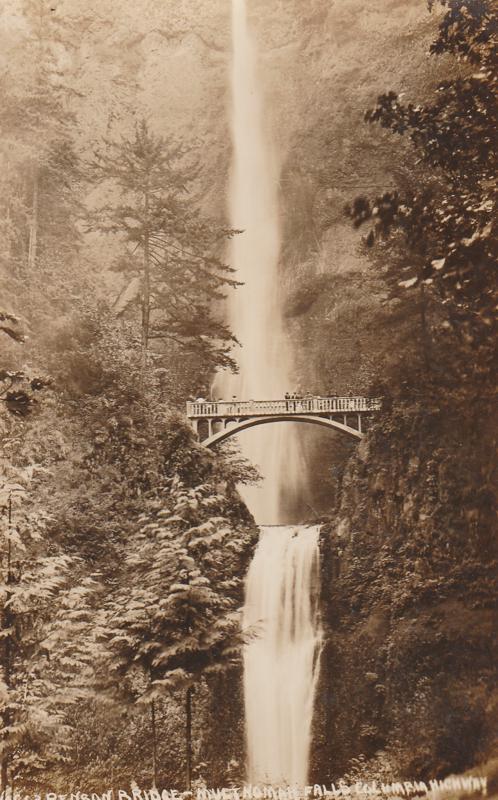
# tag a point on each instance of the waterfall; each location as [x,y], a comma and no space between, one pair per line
[255,309]
[281,660]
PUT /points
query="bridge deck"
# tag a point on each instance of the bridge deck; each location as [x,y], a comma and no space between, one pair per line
[259,408]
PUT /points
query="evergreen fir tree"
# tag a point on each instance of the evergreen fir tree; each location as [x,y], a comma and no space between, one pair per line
[172,258]
[175,618]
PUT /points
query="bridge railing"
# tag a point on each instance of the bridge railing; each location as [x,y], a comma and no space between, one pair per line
[261,408]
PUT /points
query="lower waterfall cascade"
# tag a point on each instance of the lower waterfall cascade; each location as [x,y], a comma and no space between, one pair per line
[281,659]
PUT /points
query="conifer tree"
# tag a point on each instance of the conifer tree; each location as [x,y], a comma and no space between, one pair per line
[37,128]
[43,653]
[172,258]
[175,619]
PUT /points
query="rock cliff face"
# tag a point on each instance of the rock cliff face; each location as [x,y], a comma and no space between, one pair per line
[409,673]
[322,64]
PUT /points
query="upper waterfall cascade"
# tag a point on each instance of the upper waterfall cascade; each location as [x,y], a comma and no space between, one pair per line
[255,307]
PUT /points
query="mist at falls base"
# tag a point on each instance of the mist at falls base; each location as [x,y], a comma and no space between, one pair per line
[280,613]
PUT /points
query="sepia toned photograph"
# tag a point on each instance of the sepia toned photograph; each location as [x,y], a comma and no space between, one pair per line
[248,425]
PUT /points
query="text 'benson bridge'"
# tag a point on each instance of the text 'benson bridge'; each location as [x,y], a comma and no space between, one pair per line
[215,421]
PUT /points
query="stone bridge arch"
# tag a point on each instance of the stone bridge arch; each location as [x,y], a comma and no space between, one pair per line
[233,427]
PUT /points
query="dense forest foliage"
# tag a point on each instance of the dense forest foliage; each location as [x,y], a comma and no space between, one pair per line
[124,543]
[410,558]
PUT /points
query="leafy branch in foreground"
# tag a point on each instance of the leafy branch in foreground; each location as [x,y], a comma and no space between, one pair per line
[447,220]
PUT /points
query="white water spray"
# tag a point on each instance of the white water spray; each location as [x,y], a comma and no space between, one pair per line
[281,662]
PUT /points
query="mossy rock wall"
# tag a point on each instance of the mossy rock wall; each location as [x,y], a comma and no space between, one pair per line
[408,583]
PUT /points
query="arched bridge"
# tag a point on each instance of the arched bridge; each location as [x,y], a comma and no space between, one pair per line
[215,421]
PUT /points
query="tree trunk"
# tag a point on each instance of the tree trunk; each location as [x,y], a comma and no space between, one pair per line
[4,770]
[33,225]
[154,744]
[6,624]
[426,339]
[188,735]
[145,293]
